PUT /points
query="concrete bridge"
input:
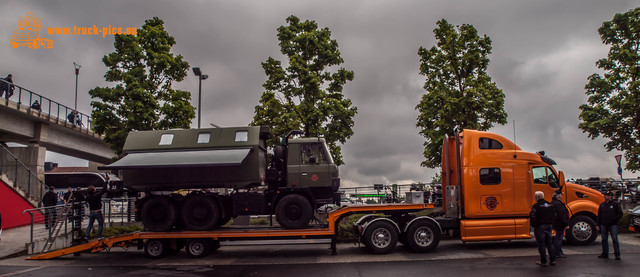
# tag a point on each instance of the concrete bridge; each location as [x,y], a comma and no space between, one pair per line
[47,128]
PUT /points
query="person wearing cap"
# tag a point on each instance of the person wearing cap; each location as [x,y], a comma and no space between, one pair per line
[609,214]
[560,222]
[50,200]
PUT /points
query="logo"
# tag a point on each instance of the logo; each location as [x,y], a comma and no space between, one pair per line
[29,33]
[491,203]
[314,177]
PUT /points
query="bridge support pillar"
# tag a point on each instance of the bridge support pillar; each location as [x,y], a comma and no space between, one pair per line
[32,156]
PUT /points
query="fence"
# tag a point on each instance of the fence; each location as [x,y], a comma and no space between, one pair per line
[23,178]
[49,109]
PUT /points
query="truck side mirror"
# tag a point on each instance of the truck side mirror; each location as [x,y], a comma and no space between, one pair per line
[561,177]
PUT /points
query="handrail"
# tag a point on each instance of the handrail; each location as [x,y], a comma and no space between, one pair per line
[84,119]
[30,172]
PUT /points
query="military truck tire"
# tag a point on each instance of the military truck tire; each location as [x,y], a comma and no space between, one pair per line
[582,230]
[200,212]
[380,237]
[423,236]
[158,214]
[294,211]
[156,248]
[197,248]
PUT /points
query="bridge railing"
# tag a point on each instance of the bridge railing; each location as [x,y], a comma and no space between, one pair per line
[52,110]
[23,178]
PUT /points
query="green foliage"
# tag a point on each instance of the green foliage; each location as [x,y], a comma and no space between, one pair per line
[117,230]
[614,97]
[305,95]
[623,224]
[144,69]
[460,94]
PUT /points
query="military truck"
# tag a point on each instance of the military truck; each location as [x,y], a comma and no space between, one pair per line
[199,179]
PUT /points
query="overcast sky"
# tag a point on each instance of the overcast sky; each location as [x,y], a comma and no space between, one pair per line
[543,52]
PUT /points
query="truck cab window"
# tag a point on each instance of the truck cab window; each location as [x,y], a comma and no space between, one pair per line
[313,154]
[545,175]
[166,139]
[553,179]
[487,143]
[242,136]
[204,137]
[490,176]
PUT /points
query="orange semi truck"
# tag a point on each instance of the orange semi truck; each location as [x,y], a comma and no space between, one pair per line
[488,183]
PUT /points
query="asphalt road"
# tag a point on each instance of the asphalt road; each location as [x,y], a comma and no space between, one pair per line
[451,258]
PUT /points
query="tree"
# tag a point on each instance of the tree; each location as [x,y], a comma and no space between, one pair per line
[306,96]
[144,69]
[460,94]
[614,97]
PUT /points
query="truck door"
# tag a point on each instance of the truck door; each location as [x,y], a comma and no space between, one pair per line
[545,180]
[314,166]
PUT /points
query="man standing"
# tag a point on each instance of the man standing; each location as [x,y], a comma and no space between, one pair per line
[7,87]
[560,223]
[50,200]
[541,217]
[95,209]
[609,214]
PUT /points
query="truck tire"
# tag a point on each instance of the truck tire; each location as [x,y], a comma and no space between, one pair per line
[582,230]
[223,221]
[156,248]
[423,236]
[294,211]
[158,214]
[197,248]
[200,212]
[380,237]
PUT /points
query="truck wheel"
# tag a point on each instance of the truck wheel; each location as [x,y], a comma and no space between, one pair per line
[223,221]
[582,230]
[158,214]
[197,248]
[423,236]
[381,237]
[156,248]
[200,213]
[294,211]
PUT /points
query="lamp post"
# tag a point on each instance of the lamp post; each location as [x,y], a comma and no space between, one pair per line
[77,67]
[197,72]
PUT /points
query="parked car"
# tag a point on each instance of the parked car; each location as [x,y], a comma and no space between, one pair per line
[634,219]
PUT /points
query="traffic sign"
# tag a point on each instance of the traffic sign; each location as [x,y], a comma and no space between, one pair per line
[618,159]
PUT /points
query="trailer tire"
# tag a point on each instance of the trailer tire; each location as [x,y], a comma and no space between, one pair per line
[294,211]
[423,236]
[156,248]
[158,214]
[381,237]
[200,212]
[582,230]
[197,248]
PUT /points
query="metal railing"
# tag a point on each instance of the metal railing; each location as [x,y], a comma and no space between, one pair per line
[23,178]
[48,108]
[116,212]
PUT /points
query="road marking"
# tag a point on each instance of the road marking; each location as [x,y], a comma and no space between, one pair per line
[22,271]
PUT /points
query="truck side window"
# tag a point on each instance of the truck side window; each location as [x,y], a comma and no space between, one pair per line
[553,179]
[166,139]
[204,137]
[490,176]
[313,154]
[242,136]
[539,175]
[487,143]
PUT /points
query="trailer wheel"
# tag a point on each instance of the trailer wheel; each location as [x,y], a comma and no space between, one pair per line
[158,214]
[381,237]
[582,230]
[294,211]
[423,236]
[197,248]
[200,213]
[156,248]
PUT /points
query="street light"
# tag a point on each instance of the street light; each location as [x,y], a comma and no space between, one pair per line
[197,72]
[77,67]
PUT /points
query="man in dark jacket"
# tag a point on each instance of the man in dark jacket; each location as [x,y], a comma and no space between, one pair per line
[609,214]
[50,200]
[7,87]
[541,217]
[94,199]
[560,222]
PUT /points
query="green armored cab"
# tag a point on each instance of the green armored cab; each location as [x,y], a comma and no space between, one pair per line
[201,178]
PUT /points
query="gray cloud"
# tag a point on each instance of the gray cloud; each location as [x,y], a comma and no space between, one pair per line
[543,52]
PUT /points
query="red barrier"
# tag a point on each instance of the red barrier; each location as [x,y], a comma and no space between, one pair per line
[11,206]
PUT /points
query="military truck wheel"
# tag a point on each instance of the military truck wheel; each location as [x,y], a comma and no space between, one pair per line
[158,214]
[197,248]
[423,236]
[156,248]
[380,237]
[294,211]
[200,212]
[582,230]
